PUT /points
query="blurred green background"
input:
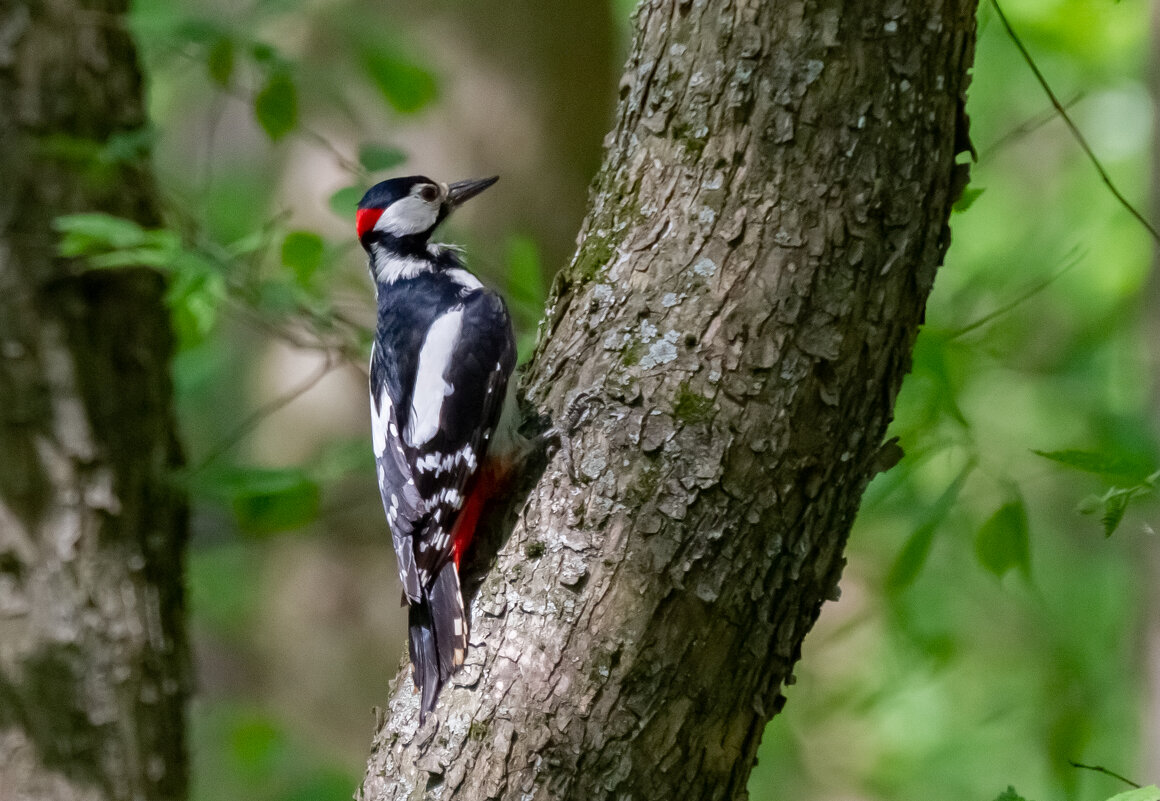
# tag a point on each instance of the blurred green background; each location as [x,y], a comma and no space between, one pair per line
[988,632]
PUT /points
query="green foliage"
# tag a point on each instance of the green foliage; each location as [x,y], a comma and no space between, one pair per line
[1149,793]
[1113,504]
[302,253]
[262,761]
[196,289]
[526,289]
[263,500]
[194,298]
[968,198]
[220,61]
[1010,795]
[1133,469]
[1116,466]
[344,202]
[375,158]
[222,588]
[407,86]
[914,554]
[1003,544]
[276,106]
[108,241]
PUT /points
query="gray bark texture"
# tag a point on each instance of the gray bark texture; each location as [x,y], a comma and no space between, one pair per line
[724,352]
[92,642]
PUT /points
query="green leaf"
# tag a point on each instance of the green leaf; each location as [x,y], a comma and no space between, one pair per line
[302,253]
[220,61]
[218,579]
[88,234]
[159,258]
[1112,465]
[128,147]
[256,746]
[198,31]
[374,157]
[1010,795]
[968,198]
[525,275]
[1003,543]
[931,359]
[265,54]
[277,298]
[194,296]
[1090,505]
[276,106]
[324,785]
[1149,793]
[341,458]
[917,548]
[248,243]
[266,500]
[344,202]
[1115,504]
[405,85]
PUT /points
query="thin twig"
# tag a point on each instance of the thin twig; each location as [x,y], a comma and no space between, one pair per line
[1101,769]
[215,113]
[351,166]
[1005,308]
[1028,126]
[261,413]
[1075,132]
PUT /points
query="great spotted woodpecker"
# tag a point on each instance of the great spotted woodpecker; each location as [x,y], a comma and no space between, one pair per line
[442,355]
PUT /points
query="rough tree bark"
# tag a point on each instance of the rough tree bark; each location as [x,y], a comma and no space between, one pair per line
[726,347]
[92,642]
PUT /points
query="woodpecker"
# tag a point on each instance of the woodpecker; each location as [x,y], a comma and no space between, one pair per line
[440,362]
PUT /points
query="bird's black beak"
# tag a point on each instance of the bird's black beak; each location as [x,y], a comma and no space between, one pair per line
[460,192]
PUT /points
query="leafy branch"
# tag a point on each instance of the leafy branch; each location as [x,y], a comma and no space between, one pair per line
[1134,477]
[1061,110]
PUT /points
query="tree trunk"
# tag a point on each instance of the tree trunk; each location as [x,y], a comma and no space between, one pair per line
[724,350]
[92,641]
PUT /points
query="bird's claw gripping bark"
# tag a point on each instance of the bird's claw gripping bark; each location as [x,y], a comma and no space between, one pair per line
[557,439]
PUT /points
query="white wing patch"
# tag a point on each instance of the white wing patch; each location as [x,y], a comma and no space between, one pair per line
[430,386]
[380,420]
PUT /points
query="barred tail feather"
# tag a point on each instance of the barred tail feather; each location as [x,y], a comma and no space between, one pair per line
[424,657]
[438,631]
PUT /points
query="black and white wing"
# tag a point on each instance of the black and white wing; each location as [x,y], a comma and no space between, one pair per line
[432,433]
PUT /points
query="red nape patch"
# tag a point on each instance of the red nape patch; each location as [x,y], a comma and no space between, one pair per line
[365,220]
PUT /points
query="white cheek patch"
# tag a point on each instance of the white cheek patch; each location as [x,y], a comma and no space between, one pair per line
[430,386]
[410,215]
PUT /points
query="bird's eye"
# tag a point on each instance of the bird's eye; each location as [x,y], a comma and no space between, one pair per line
[429,192]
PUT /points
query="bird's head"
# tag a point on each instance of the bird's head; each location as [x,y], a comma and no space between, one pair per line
[411,208]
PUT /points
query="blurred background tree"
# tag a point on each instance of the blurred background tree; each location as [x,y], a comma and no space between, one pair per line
[988,632]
